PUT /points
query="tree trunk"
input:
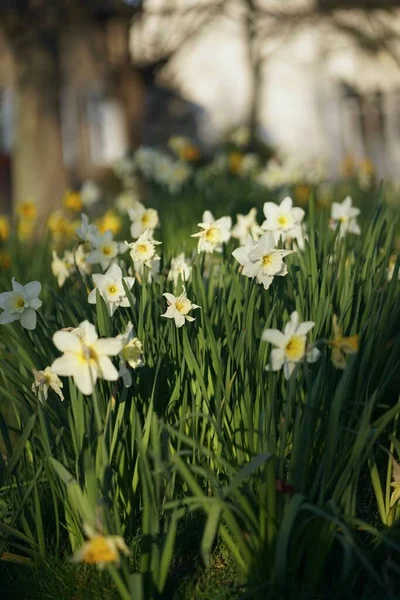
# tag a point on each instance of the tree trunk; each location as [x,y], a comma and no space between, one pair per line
[38,169]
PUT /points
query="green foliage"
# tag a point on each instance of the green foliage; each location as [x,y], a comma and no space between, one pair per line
[207,449]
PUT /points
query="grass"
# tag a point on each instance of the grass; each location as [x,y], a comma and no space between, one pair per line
[225,480]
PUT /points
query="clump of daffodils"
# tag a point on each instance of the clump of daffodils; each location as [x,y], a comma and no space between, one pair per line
[44,381]
[21,304]
[342,346]
[143,219]
[179,268]
[290,345]
[262,260]
[214,233]
[101,549]
[346,215]
[246,225]
[130,355]
[179,308]
[85,357]
[111,288]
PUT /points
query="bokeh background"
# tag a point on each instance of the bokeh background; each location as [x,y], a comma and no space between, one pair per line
[84,82]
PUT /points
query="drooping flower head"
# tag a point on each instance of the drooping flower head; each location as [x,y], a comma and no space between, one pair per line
[101,549]
[45,380]
[342,346]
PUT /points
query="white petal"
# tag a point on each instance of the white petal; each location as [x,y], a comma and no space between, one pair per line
[266,242]
[85,378]
[108,346]
[286,204]
[89,335]
[241,255]
[108,371]
[35,303]
[92,296]
[251,269]
[298,214]
[7,317]
[291,327]
[313,355]
[270,209]
[3,297]
[66,365]
[179,319]
[288,369]
[32,289]
[305,327]
[66,341]
[129,281]
[114,272]
[265,280]
[28,319]
[208,217]
[17,287]
[274,336]
[277,359]
[169,297]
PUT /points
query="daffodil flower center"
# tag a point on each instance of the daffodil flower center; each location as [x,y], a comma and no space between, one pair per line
[88,354]
[112,289]
[267,260]
[295,347]
[143,248]
[212,235]
[145,219]
[183,306]
[343,219]
[99,551]
[106,250]
[18,303]
[282,220]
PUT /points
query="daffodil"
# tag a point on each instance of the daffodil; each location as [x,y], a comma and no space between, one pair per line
[27,210]
[126,200]
[111,288]
[90,193]
[214,233]
[391,266]
[342,346]
[177,174]
[235,161]
[345,214]
[291,345]
[4,227]
[131,354]
[282,218]
[262,260]
[104,250]
[395,497]
[101,549]
[142,219]
[179,308]
[109,222]
[85,356]
[247,225]
[5,260]
[73,201]
[87,232]
[60,226]
[143,251]
[61,268]
[21,304]
[179,268]
[43,381]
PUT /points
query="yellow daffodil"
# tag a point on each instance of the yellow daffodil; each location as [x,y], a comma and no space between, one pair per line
[27,210]
[235,160]
[109,222]
[73,201]
[60,226]
[101,549]
[4,227]
[342,346]
[25,229]
[5,260]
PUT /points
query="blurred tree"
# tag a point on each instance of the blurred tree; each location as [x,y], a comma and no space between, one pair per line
[34,31]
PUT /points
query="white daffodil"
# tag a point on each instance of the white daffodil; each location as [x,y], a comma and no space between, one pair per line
[291,345]
[214,233]
[21,304]
[43,381]
[247,225]
[178,308]
[345,214]
[179,268]
[262,260]
[90,193]
[61,268]
[283,219]
[86,357]
[101,549]
[87,232]
[79,258]
[178,175]
[111,288]
[131,354]
[142,218]
[104,251]
[127,200]
[143,251]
